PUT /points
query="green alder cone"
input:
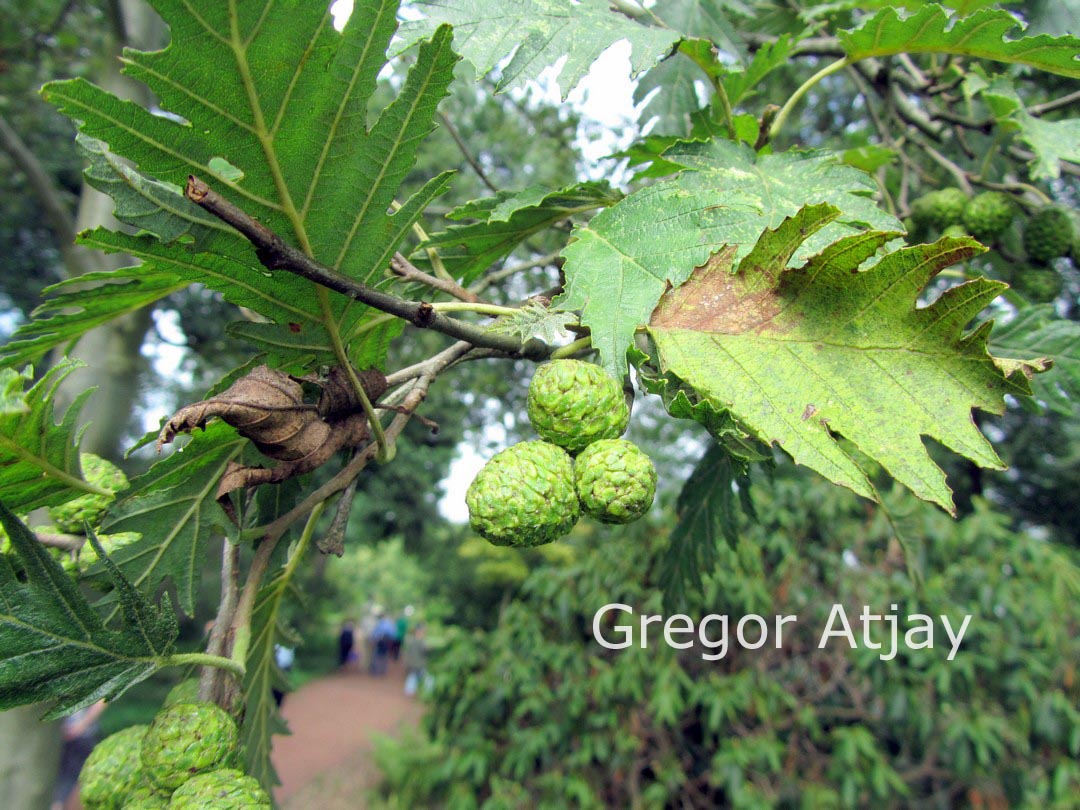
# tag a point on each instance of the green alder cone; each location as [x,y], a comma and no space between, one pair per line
[110,542]
[144,797]
[1049,234]
[225,789]
[615,480]
[70,517]
[187,691]
[573,404]
[524,496]
[940,209]
[956,231]
[113,770]
[1039,285]
[988,214]
[187,739]
[66,558]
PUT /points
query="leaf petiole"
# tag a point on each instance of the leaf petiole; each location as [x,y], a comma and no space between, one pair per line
[804,88]
[493,310]
[570,349]
[204,660]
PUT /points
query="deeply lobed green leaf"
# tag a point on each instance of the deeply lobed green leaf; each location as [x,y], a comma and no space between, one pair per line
[931,29]
[54,646]
[539,33]
[79,304]
[39,458]
[262,719]
[147,204]
[1037,332]
[706,515]
[1051,141]
[269,104]
[174,507]
[705,27]
[505,221]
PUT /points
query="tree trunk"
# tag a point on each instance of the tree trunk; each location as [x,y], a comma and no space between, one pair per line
[28,765]
[30,760]
[111,352]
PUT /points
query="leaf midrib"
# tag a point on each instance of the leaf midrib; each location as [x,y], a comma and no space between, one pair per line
[66,641]
[197,499]
[50,469]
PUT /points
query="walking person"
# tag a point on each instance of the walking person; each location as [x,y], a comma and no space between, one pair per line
[365,642]
[415,657]
[383,637]
[284,657]
[401,632]
[346,644]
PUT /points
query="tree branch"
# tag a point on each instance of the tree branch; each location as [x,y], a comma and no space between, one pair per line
[1054,104]
[464,149]
[212,684]
[415,395]
[811,46]
[958,173]
[403,268]
[441,361]
[1027,157]
[34,46]
[498,275]
[66,542]
[274,531]
[276,254]
[913,115]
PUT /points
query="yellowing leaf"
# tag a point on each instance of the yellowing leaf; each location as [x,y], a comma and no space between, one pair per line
[619,265]
[799,355]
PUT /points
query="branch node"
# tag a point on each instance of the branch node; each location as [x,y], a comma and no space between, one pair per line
[425,315]
[196,190]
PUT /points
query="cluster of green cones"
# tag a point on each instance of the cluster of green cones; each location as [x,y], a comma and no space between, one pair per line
[1044,235]
[69,520]
[535,491]
[186,759]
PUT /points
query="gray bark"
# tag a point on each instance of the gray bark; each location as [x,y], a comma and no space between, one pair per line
[114,364]
[30,758]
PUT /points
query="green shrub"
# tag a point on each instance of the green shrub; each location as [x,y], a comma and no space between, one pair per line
[537,714]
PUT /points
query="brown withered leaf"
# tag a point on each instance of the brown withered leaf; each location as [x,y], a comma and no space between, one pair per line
[267,406]
[264,405]
[338,397]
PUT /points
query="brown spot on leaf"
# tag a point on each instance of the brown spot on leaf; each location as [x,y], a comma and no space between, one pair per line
[808,411]
[715,299]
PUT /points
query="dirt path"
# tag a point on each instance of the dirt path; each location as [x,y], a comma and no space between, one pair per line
[326,761]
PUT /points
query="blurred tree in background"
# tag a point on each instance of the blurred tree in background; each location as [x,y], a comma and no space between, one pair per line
[536,713]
